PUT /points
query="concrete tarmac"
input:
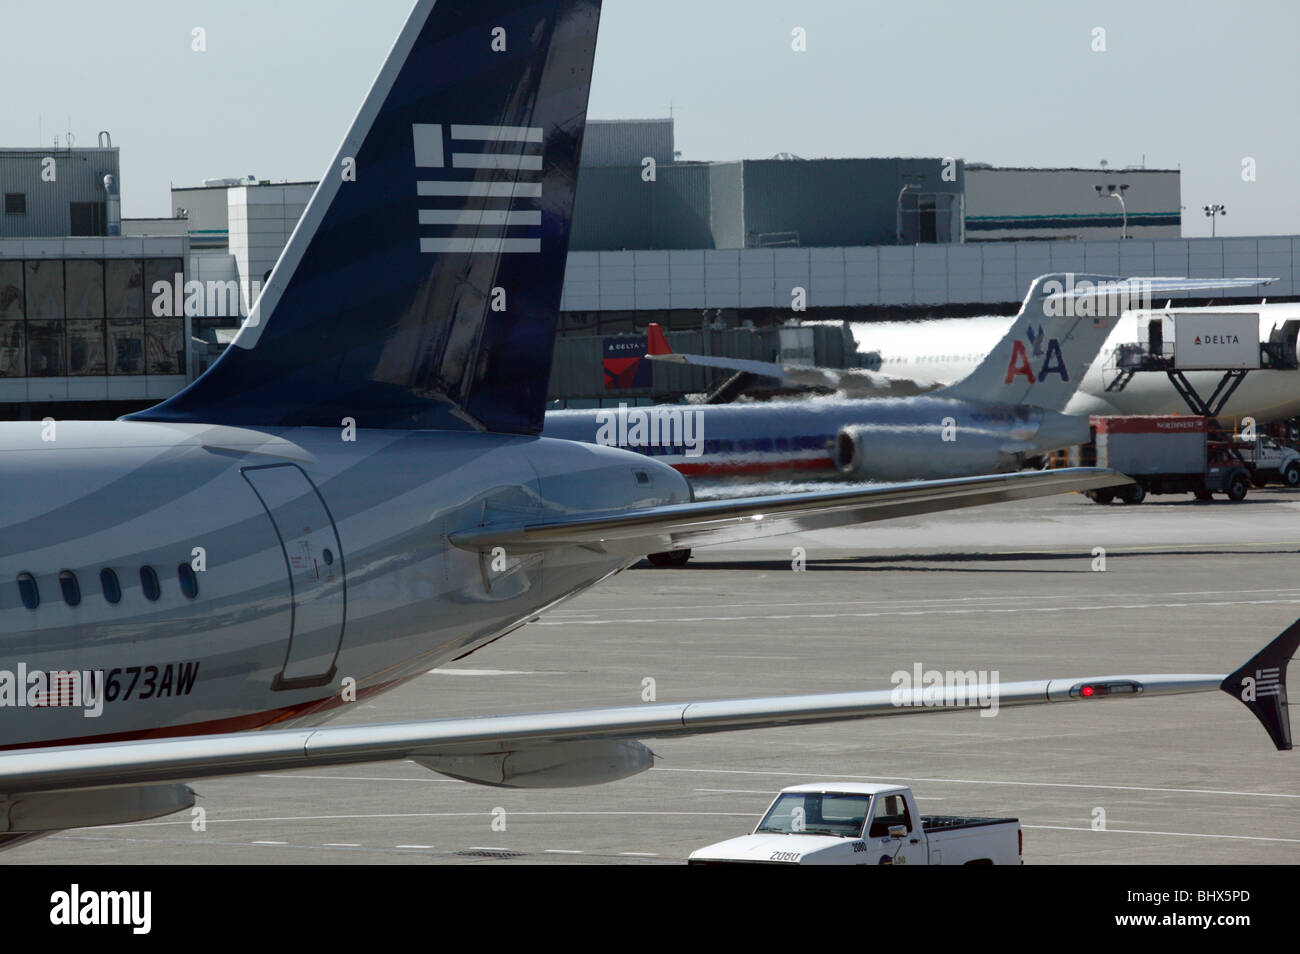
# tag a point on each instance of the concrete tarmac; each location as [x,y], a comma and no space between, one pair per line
[1013,588]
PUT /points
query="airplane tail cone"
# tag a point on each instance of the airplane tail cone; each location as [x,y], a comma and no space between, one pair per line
[1261,685]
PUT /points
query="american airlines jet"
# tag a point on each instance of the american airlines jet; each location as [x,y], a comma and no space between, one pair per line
[356,491]
[919,357]
[924,413]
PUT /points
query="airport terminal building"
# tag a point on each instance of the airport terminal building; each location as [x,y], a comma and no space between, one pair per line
[77,330]
[722,252]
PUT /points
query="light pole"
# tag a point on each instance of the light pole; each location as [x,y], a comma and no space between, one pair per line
[1214,211]
[911,181]
[1116,192]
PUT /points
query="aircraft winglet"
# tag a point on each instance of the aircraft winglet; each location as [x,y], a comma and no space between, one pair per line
[1261,685]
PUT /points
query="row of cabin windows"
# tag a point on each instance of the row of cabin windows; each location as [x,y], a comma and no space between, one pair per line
[108,582]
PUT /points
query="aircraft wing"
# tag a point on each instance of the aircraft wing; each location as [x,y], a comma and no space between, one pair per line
[680,526]
[483,748]
[852,382]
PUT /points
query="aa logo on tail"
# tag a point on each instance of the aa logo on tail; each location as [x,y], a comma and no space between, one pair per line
[1035,337]
[1053,359]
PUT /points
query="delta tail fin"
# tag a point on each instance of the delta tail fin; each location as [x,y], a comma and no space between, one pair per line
[1063,323]
[656,340]
[421,287]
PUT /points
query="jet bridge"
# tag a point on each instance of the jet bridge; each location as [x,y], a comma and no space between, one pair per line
[1178,342]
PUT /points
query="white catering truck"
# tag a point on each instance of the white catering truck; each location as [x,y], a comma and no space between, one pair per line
[840,823]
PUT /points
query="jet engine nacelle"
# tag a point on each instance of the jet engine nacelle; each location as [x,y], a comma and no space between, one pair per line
[880,452]
[53,811]
[547,765]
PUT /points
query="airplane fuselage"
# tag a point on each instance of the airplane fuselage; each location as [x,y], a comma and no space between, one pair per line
[926,436]
[948,349]
[296,570]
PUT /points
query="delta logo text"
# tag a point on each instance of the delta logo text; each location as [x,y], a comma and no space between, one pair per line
[934,688]
[673,427]
[61,689]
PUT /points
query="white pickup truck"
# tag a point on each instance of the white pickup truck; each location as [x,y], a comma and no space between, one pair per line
[861,824]
[1272,462]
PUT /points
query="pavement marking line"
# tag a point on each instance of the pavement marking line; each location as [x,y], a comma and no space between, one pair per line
[360,778]
[1172,834]
[298,818]
[249,844]
[562,614]
[770,792]
[938,557]
[495,672]
[973,781]
[966,611]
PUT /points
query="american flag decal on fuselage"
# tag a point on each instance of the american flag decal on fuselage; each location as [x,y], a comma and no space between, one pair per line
[490,225]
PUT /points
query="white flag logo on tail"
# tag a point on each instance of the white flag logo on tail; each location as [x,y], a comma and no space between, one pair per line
[1268,682]
[495,226]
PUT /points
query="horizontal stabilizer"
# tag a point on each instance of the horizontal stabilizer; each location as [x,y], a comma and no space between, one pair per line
[679,526]
[1133,288]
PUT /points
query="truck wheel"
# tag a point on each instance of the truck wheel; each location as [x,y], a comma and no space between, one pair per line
[1101,496]
[670,558]
[1291,476]
[1237,486]
[1133,494]
[1204,496]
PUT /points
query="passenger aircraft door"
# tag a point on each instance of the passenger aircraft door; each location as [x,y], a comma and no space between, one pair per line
[314,562]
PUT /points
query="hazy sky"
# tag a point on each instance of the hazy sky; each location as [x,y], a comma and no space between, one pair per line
[1188,84]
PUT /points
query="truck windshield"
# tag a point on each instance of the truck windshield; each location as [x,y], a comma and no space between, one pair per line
[817,813]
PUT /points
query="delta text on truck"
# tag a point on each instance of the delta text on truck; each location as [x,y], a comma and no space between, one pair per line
[864,824]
